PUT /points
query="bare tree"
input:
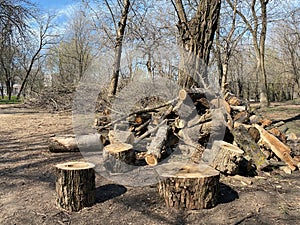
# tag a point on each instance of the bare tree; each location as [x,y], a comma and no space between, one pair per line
[33,54]
[118,46]
[257,24]
[288,36]
[13,15]
[228,35]
[71,57]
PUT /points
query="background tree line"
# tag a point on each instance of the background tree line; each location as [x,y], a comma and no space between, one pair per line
[251,45]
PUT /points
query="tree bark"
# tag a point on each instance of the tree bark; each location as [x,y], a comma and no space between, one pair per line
[252,150]
[197,36]
[75,185]
[118,157]
[191,187]
[228,157]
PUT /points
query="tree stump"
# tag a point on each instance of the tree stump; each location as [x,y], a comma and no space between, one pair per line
[228,157]
[75,185]
[118,157]
[194,186]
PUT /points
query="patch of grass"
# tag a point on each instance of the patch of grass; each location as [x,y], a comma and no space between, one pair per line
[13,100]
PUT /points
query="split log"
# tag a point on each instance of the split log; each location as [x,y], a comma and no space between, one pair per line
[118,157]
[75,185]
[154,149]
[191,187]
[250,147]
[281,150]
[226,157]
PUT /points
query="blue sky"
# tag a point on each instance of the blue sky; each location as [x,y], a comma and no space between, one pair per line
[54,4]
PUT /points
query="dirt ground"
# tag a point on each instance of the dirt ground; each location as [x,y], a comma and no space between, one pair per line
[27,185]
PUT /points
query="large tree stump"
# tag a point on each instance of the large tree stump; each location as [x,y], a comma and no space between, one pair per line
[227,158]
[192,187]
[75,185]
[118,157]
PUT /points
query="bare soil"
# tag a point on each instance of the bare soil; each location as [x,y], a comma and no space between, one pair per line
[27,185]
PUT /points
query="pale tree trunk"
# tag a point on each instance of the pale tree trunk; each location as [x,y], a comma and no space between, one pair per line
[118,48]
[196,36]
[264,100]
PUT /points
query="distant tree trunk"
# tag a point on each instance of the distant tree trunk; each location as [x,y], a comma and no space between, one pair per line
[259,39]
[118,48]
[264,101]
[197,35]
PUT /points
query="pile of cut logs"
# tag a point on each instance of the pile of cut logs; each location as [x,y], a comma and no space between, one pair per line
[214,134]
[149,135]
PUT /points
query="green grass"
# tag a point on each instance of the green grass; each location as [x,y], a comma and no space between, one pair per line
[13,100]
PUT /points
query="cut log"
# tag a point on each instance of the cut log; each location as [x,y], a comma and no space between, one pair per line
[218,103]
[250,147]
[63,143]
[154,149]
[70,143]
[191,187]
[281,150]
[227,157]
[234,101]
[75,185]
[238,108]
[278,134]
[242,117]
[207,117]
[265,122]
[118,157]
[179,123]
[182,94]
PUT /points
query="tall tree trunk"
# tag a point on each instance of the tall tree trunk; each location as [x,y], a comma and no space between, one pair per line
[197,36]
[118,48]
[264,100]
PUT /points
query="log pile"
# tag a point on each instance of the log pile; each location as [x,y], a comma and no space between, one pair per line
[244,141]
[207,134]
